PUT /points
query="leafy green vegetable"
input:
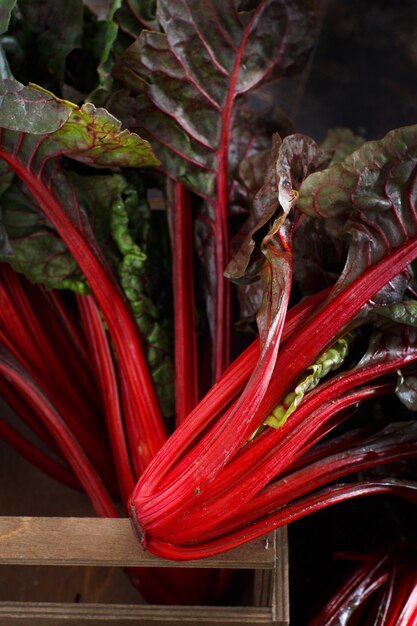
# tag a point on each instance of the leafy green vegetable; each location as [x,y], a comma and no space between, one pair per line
[134,279]
[6,7]
[104,40]
[330,360]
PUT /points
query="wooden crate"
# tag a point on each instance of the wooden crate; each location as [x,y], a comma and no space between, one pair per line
[66,570]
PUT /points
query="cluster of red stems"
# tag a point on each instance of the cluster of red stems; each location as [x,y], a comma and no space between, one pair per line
[211,485]
[59,375]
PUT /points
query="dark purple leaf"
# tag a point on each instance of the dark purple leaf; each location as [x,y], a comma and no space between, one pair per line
[187,78]
[318,258]
[407,390]
[290,162]
[56,28]
[369,199]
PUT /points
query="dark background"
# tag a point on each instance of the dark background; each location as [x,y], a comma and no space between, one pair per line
[362,75]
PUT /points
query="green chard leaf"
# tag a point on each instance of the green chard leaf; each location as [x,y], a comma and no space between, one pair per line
[86,134]
[101,46]
[329,361]
[134,278]
[342,142]
[6,8]
[35,249]
[404,312]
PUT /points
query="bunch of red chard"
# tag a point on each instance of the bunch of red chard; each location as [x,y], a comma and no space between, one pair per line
[323,258]
[380,590]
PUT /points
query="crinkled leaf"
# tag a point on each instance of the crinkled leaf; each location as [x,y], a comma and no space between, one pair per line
[93,136]
[342,142]
[329,361]
[102,45]
[134,279]
[401,312]
[6,8]
[290,162]
[27,109]
[89,135]
[369,198]
[318,257]
[135,15]
[186,79]
[37,250]
[264,207]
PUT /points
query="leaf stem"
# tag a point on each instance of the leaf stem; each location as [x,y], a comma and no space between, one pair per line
[186,372]
[121,324]
[73,452]
[101,354]
[234,428]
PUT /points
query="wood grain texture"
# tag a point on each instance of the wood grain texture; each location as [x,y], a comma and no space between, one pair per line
[92,541]
[37,590]
[43,614]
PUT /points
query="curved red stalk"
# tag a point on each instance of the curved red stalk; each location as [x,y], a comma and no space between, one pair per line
[100,352]
[276,308]
[311,504]
[72,451]
[220,395]
[218,510]
[30,352]
[186,373]
[259,462]
[122,326]
[367,577]
[48,366]
[235,428]
[14,335]
[408,616]
[285,490]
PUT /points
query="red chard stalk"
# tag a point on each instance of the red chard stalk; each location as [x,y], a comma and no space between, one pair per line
[183,86]
[380,248]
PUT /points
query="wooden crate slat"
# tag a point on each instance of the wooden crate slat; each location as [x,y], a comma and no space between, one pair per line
[82,541]
[80,614]
[107,542]
[280,589]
